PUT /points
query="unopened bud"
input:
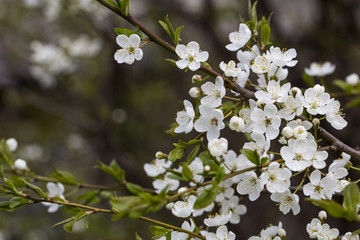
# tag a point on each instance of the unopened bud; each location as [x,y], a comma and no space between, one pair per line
[160,155]
[20,164]
[196,78]
[316,122]
[294,91]
[319,89]
[12,144]
[207,168]
[287,132]
[322,215]
[300,132]
[281,232]
[169,206]
[182,189]
[195,92]
[218,147]
[237,124]
[299,121]
[352,79]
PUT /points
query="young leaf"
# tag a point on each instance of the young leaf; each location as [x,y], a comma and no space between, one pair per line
[343,85]
[124,7]
[113,169]
[177,34]
[332,207]
[351,200]
[137,237]
[124,31]
[265,33]
[157,230]
[308,80]
[353,103]
[35,188]
[89,197]
[64,177]
[187,173]
[176,154]
[5,153]
[193,154]
[206,198]
[220,175]
[134,188]
[252,155]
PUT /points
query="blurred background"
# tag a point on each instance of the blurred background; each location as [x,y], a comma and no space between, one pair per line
[69,104]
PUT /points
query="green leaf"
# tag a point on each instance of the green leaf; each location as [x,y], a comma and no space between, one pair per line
[343,85]
[17,202]
[176,154]
[353,103]
[253,15]
[72,210]
[173,62]
[252,155]
[35,188]
[308,80]
[64,177]
[351,200]
[206,198]
[125,31]
[69,223]
[193,154]
[165,27]
[2,172]
[157,230]
[265,33]
[206,64]
[332,207]
[170,27]
[187,174]
[5,153]
[128,206]
[177,34]
[124,7]
[137,237]
[263,160]
[220,175]
[113,170]
[134,188]
[89,197]
[207,159]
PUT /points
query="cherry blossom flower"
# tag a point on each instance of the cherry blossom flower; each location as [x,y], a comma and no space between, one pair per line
[298,154]
[218,147]
[158,166]
[260,143]
[275,178]
[300,132]
[313,227]
[292,107]
[250,184]
[230,69]
[232,204]
[319,188]
[197,168]
[287,201]
[218,219]
[261,65]
[266,121]
[270,232]
[334,115]
[325,233]
[350,236]
[130,49]
[245,57]
[190,56]
[282,58]
[320,69]
[316,100]
[232,162]
[237,124]
[210,121]
[12,144]
[318,162]
[185,118]
[54,190]
[274,92]
[352,79]
[214,92]
[160,184]
[181,235]
[239,38]
[184,209]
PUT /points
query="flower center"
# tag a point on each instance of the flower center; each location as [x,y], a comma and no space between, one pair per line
[214,121]
[131,50]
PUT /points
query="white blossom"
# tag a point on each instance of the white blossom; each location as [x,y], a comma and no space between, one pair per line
[232,204]
[300,132]
[54,190]
[291,107]
[316,100]
[239,38]
[275,178]
[12,144]
[210,121]
[352,79]
[221,234]
[287,201]
[320,69]
[250,184]
[218,219]
[130,50]
[334,115]
[218,147]
[237,124]
[160,184]
[185,118]
[20,164]
[274,92]
[282,58]
[190,56]
[319,188]
[156,167]
[266,121]
[214,92]
[184,209]
[261,65]
[350,236]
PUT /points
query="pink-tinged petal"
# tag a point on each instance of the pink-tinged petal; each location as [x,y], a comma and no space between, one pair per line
[183,63]
[193,48]
[202,56]
[193,66]
[181,51]
[135,40]
[138,54]
[123,41]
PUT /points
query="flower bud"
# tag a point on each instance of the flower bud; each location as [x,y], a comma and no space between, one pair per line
[218,147]
[237,124]
[169,206]
[299,121]
[316,122]
[20,164]
[160,155]
[352,79]
[12,144]
[322,215]
[300,132]
[319,89]
[207,168]
[182,189]
[294,91]
[196,78]
[195,92]
[287,132]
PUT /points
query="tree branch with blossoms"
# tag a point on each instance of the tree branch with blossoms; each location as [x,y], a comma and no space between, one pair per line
[203,174]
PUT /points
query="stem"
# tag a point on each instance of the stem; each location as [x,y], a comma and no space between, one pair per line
[171,226]
[235,99]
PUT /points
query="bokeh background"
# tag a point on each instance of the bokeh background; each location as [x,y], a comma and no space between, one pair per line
[69,104]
